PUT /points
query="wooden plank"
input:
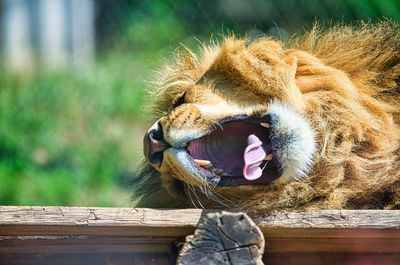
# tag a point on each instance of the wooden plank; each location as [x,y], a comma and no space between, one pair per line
[23,220]
[332,245]
[107,258]
[83,244]
[318,258]
[332,224]
[309,258]
[360,219]
[129,229]
[163,245]
[20,220]
[98,216]
[119,236]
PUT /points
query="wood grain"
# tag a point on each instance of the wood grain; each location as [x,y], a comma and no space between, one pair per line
[21,220]
[83,244]
[105,258]
[188,218]
[54,229]
[223,239]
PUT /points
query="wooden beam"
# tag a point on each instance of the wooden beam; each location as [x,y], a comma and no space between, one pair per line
[27,220]
[154,230]
[129,222]
[106,258]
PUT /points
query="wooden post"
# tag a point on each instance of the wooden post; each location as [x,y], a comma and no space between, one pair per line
[224,239]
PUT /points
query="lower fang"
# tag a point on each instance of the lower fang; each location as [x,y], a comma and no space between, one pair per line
[268,157]
[209,166]
[265,124]
[202,163]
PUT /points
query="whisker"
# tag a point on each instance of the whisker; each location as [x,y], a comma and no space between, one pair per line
[217,125]
[215,196]
[189,193]
[266,163]
[198,200]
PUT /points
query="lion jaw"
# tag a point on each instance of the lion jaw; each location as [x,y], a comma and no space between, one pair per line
[292,141]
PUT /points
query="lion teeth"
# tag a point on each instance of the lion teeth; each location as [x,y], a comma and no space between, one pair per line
[209,166]
[206,164]
[202,163]
[265,124]
[268,157]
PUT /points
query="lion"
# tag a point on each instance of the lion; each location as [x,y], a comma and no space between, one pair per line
[260,125]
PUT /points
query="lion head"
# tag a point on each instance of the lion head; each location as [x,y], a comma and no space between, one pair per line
[260,125]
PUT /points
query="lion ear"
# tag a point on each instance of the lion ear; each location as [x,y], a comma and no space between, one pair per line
[308,71]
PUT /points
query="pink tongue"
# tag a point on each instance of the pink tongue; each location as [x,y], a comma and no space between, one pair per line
[253,156]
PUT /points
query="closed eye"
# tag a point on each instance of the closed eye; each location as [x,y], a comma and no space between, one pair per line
[179,101]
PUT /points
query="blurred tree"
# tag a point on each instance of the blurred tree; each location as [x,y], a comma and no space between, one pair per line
[60,32]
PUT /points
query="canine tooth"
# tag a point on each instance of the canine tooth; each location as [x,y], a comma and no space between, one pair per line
[265,124]
[202,163]
[268,157]
[209,166]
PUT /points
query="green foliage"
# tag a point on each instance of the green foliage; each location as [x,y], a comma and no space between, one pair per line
[65,140]
[75,138]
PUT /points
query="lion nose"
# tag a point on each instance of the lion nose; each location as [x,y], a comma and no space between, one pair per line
[154,145]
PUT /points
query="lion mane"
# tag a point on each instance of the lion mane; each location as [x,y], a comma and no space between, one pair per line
[344,81]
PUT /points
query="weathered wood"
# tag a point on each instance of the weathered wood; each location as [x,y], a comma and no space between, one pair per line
[318,258]
[79,232]
[103,216]
[223,239]
[183,221]
[308,258]
[106,258]
[83,244]
[360,219]
[130,222]
[20,220]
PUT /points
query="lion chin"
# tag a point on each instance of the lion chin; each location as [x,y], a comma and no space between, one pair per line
[259,125]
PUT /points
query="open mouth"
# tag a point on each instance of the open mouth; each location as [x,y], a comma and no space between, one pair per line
[243,150]
[239,152]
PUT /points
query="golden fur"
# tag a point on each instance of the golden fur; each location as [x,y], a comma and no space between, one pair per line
[345,80]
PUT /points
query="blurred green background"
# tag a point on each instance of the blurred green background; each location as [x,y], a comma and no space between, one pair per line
[72,137]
